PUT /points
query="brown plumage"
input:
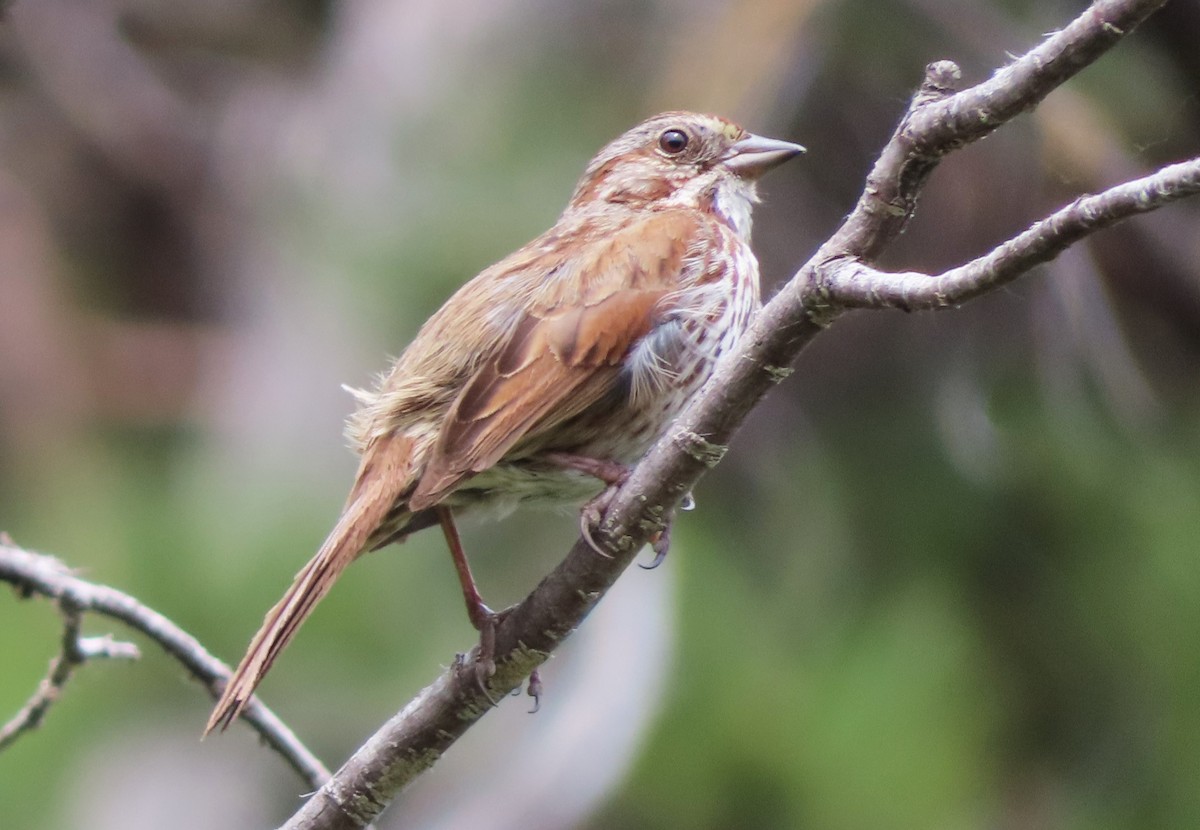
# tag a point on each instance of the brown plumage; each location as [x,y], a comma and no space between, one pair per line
[583,345]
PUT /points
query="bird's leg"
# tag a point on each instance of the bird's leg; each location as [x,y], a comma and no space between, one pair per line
[483,618]
[477,610]
[612,473]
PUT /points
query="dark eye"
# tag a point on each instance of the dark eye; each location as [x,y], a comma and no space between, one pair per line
[673,142]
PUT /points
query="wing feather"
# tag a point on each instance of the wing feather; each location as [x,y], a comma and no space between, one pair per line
[565,353]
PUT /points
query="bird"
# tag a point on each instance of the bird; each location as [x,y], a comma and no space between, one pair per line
[542,379]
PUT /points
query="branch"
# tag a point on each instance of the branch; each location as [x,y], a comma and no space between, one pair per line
[849,283]
[937,122]
[32,573]
[74,651]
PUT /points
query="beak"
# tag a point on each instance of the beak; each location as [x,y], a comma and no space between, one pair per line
[754,155]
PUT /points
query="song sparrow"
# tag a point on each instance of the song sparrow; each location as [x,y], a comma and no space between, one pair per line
[547,374]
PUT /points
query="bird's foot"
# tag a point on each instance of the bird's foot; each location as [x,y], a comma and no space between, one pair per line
[534,689]
[612,473]
[591,515]
[660,542]
[486,621]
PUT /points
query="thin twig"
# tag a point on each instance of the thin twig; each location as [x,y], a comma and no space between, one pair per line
[73,652]
[33,573]
[938,121]
[849,283]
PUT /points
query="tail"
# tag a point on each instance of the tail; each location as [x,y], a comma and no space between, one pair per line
[382,477]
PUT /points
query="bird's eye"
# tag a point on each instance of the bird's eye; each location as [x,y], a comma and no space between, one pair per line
[673,142]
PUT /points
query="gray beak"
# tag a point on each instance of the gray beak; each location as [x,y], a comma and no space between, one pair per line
[755,155]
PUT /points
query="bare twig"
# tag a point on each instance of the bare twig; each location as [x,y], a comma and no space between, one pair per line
[938,121]
[33,573]
[73,651]
[848,283]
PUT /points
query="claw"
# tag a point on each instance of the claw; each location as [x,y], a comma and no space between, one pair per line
[659,557]
[612,473]
[687,503]
[485,660]
[481,679]
[660,544]
[534,690]
[591,514]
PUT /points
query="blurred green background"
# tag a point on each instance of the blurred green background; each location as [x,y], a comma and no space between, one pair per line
[948,577]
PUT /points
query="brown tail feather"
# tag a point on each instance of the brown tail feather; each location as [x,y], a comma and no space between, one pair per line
[382,478]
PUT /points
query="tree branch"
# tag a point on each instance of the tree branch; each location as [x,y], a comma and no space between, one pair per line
[833,281]
[33,573]
[940,120]
[74,651]
[849,283]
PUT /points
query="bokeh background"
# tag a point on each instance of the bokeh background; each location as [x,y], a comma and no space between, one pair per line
[948,576]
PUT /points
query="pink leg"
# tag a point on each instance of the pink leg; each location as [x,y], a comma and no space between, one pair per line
[482,617]
[479,614]
[614,474]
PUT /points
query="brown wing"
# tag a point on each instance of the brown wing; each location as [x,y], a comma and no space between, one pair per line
[563,354]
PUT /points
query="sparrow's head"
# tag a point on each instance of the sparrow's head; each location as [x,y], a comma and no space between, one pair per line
[683,159]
